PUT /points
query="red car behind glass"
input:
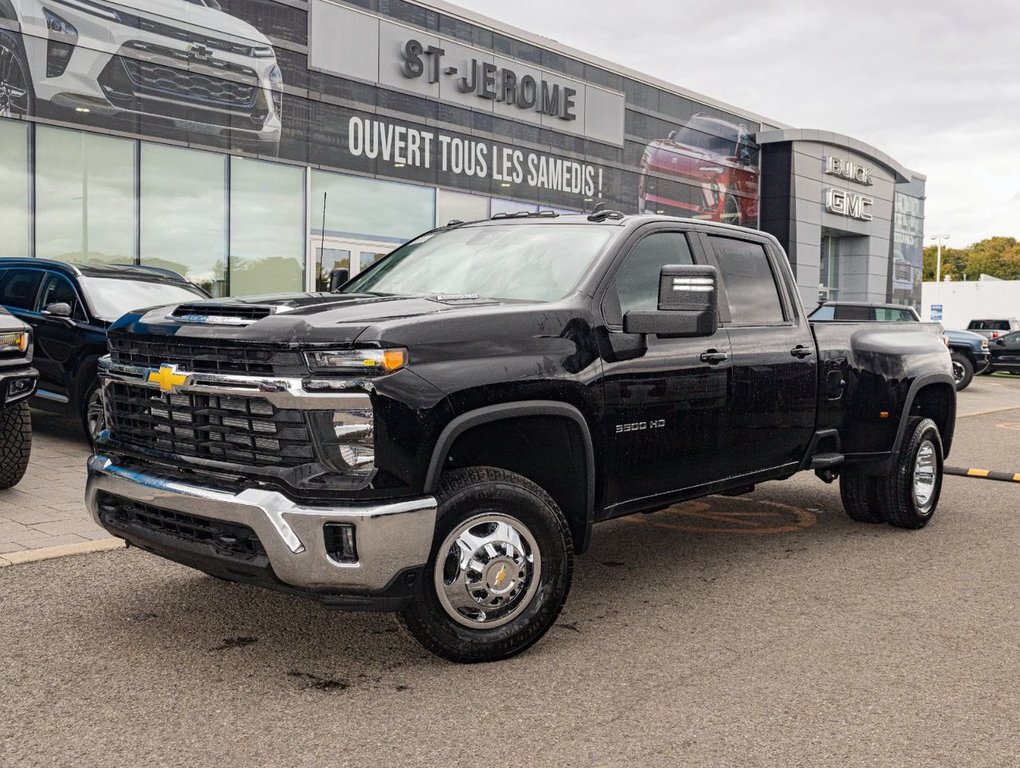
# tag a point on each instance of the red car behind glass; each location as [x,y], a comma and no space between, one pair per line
[705,170]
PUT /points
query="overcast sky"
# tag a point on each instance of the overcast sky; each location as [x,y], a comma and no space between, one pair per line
[935,84]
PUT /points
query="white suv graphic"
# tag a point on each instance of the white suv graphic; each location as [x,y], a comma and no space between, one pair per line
[179,63]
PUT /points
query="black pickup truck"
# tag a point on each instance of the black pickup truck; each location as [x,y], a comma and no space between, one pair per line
[439,436]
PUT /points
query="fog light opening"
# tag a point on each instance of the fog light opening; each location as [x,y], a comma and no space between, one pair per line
[340,544]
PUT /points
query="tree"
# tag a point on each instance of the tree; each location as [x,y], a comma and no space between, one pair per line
[995,256]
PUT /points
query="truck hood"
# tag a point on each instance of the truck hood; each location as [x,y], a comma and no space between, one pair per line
[304,318]
[202,18]
[668,157]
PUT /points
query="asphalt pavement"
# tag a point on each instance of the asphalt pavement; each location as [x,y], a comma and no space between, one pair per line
[763,630]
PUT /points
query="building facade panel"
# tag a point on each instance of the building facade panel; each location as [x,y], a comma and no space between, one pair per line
[256,121]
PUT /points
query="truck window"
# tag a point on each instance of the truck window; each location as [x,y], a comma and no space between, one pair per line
[750,284]
[59,289]
[854,313]
[20,287]
[637,282]
[894,315]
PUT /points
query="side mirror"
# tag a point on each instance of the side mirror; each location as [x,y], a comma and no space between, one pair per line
[688,304]
[57,309]
[337,277]
[672,135]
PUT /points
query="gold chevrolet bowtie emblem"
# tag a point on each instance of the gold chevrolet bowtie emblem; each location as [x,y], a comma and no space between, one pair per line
[500,576]
[168,378]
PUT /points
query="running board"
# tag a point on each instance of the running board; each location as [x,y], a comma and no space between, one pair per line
[826,460]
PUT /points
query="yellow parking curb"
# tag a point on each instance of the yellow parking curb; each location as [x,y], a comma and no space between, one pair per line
[62,550]
[987,474]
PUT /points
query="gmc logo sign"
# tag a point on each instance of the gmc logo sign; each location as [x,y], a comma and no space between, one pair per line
[849,204]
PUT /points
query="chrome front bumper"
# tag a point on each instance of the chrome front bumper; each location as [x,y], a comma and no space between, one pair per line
[390,537]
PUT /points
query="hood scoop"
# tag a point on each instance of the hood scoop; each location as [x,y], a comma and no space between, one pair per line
[223,314]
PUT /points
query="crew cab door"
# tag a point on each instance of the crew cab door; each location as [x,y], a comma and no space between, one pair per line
[665,399]
[773,381]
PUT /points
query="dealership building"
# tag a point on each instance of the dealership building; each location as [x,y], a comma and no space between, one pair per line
[253,145]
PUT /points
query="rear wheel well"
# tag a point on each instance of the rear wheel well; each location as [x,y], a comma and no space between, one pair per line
[938,403]
[550,451]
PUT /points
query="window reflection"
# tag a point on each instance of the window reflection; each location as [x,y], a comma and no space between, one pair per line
[183,214]
[85,191]
[14,195]
[267,227]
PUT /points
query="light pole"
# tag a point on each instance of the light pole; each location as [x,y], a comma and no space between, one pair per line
[939,239]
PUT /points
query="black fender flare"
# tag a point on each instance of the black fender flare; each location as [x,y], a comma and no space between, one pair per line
[486,414]
[918,384]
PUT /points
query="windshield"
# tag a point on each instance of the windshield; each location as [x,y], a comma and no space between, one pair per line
[111,297]
[530,262]
[707,138]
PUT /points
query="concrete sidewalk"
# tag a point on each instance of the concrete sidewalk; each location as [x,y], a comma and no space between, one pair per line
[44,515]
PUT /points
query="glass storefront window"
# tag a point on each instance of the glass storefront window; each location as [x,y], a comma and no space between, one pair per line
[267,227]
[369,208]
[85,193]
[828,278]
[363,219]
[457,206]
[14,197]
[183,223]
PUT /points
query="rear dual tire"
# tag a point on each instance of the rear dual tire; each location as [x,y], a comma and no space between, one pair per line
[909,495]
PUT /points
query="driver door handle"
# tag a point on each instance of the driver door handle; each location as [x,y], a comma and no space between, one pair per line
[800,351]
[714,356]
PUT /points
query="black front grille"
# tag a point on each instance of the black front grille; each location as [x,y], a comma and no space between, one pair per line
[231,539]
[200,357]
[239,430]
[676,192]
[150,78]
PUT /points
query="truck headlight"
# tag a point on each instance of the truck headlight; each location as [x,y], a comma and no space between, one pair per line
[16,342]
[363,361]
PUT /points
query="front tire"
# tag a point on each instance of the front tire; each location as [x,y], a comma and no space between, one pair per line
[500,569]
[908,497]
[16,95]
[963,370]
[15,443]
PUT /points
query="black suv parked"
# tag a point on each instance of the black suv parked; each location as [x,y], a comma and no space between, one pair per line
[69,308]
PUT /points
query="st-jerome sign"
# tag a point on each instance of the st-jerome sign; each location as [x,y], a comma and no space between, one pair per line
[487,81]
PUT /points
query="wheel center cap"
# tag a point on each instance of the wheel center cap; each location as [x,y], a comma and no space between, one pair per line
[500,575]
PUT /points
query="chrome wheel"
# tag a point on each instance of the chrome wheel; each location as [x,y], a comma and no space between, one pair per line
[14,96]
[959,374]
[490,571]
[95,415]
[925,471]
